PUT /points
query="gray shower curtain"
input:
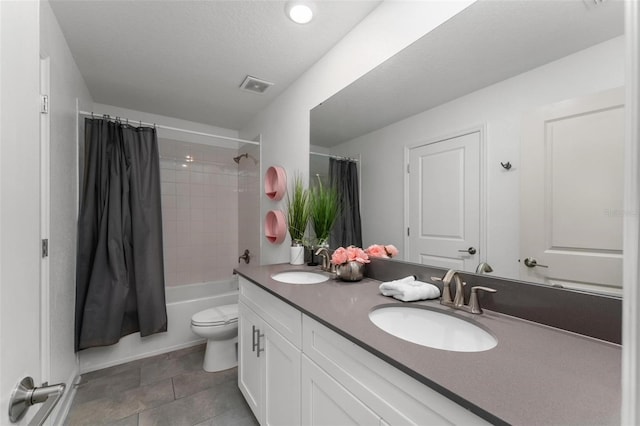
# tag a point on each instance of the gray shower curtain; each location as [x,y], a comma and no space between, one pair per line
[343,175]
[119,270]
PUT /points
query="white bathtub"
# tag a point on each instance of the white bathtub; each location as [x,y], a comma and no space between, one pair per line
[182,302]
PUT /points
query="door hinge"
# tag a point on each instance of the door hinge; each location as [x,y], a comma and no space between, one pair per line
[44,104]
[408,168]
[45,248]
[408,233]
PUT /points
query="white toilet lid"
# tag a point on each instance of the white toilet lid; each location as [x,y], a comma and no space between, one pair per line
[219,315]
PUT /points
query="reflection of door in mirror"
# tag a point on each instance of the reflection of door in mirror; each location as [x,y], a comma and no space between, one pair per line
[571,211]
[444,203]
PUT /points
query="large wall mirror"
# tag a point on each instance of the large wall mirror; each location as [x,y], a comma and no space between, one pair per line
[498,130]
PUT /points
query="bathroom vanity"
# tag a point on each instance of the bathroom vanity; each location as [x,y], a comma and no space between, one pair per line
[309,354]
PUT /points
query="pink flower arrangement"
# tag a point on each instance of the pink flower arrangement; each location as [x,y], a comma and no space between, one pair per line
[379,250]
[350,254]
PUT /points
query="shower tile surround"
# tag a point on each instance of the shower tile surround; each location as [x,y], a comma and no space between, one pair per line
[199,185]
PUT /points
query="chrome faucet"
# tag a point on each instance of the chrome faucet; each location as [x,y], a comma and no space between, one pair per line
[326,259]
[458,300]
[483,267]
[451,274]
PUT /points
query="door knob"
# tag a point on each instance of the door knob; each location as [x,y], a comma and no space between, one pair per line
[531,262]
[26,394]
[470,250]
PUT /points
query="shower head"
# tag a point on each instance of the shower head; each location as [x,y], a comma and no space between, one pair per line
[237,159]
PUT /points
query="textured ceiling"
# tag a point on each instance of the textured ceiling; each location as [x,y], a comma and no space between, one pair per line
[186,59]
[486,43]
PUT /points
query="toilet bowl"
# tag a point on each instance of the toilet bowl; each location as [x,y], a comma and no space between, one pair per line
[219,325]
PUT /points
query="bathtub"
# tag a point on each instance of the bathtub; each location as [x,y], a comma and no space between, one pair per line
[182,302]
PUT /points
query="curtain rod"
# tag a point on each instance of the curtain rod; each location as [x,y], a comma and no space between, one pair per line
[337,157]
[177,129]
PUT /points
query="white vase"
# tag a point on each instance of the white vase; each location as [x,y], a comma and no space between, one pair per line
[297,255]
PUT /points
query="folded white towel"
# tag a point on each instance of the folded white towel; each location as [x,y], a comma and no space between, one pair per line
[409,290]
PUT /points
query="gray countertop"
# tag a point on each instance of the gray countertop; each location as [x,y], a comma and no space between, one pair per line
[535,375]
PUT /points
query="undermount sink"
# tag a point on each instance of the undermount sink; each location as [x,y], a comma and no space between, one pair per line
[300,277]
[432,328]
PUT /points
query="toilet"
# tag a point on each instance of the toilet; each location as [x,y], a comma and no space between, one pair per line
[219,325]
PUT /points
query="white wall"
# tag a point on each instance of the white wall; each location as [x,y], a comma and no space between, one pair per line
[284,124]
[500,108]
[66,86]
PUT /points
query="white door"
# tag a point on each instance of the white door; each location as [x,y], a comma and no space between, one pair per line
[572,164]
[19,199]
[444,203]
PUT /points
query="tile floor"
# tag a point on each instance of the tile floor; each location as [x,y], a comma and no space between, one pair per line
[169,389]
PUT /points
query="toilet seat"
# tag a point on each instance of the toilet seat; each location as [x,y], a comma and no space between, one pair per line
[217,316]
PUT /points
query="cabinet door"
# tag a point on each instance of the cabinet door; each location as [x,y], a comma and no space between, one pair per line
[249,369]
[326,402]
[281,379]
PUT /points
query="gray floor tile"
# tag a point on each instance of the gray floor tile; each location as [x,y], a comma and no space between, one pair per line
[127,421]
[168,389]
[186,384]
[240,415]
[117,369]
[170,366]
[104,386]
[120,405]
[181,352]
[195,408]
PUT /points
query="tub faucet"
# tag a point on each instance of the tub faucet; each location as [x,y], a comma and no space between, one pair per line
[326,262]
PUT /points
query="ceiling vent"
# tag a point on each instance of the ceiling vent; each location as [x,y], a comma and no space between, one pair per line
[255,85]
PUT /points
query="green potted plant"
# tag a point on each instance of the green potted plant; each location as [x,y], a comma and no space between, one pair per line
[297,219]
[324,208]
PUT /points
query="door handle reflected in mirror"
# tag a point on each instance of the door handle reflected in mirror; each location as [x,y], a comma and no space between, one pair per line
[531,262]
[470,250]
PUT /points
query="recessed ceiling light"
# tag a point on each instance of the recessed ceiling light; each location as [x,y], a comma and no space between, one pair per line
[300,12]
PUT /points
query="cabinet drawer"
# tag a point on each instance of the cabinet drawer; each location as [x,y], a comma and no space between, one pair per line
[281,316]
[394,396]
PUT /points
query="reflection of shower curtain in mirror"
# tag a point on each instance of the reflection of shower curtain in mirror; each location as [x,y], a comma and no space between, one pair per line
[343,174]
[119,271]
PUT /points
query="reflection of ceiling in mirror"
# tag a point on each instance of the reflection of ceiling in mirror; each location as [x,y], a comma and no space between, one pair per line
[488,42]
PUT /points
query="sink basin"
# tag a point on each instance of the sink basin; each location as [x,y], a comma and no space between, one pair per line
[300,277]
[432,328]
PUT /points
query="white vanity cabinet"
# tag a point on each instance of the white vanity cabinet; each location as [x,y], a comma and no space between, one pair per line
[293,370]
[393,397]
[327,402]
[269,355]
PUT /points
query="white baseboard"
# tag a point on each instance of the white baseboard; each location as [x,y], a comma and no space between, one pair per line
[142,355]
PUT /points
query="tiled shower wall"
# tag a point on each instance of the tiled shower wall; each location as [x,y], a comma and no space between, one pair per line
[249,203]
[199,212]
